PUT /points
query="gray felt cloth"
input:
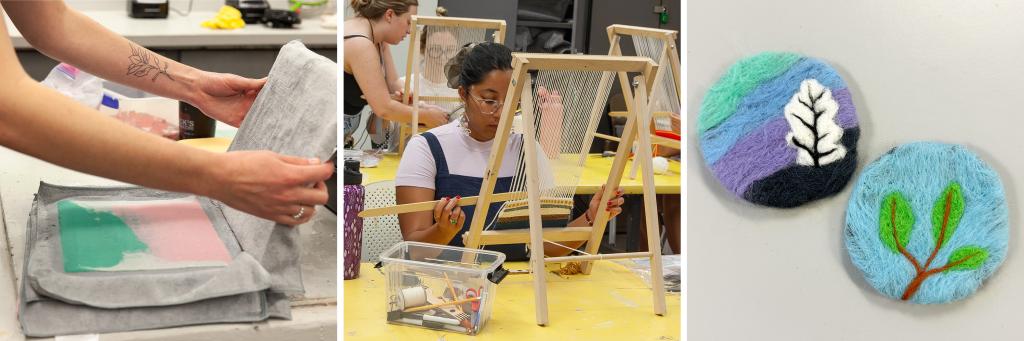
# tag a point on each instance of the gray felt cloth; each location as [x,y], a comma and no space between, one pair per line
[294,114]
[302,123]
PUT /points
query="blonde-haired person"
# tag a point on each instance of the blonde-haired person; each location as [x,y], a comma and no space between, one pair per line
[437,46]
[42,123]
[370,77]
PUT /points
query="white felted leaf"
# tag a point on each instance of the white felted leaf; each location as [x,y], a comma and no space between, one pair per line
[811,114]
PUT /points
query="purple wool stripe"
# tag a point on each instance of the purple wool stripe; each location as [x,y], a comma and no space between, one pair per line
[847,115]
[756,156]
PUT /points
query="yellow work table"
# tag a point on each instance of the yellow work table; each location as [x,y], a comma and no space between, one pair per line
[612,303]
[213,144]
[591,180]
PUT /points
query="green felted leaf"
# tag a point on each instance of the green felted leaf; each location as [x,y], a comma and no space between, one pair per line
[953,200]
[894,227]
[967,258]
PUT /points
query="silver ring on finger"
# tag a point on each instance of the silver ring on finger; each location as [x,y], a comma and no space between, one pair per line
[298,216]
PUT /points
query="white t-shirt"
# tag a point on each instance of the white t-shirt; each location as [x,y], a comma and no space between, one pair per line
[465,155]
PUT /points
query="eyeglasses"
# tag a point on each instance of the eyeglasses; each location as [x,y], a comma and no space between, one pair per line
[487,106]
[438,52]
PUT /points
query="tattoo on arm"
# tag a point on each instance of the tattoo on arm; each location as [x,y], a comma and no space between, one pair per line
[142,63]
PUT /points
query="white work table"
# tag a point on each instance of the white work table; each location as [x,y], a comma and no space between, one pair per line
[314,314]
[185,31]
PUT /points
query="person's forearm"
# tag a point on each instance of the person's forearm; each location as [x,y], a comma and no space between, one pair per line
[397,85]
[552,250]
[42,123]
[67,35]
[391,75]
[395,111]
[431,234]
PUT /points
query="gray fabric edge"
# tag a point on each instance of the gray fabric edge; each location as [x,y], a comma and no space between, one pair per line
[51,318]
[279,305]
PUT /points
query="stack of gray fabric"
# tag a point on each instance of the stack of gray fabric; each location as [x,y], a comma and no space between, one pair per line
[294,114]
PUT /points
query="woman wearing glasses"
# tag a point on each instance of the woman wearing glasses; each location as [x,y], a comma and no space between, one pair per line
[370,77]
[449,162]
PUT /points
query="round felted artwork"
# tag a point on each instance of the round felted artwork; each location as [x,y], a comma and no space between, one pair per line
[927,223]
[780,130]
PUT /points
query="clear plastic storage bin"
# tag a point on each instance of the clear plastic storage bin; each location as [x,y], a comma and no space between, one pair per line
[421,279]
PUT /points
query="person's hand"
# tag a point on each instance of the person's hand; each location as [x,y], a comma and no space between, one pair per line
[614,204]
[449,215]
[398,96]
[269,185]
[550,102]
[226,97]
[432,117]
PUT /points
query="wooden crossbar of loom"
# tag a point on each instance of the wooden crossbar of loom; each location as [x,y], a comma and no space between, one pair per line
[655,139]
[543,200]
[642,31]
[520,94]
[412,64]
[429,205]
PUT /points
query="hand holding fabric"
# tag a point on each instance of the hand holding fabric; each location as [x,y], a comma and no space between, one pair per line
[271,186]
[226,97]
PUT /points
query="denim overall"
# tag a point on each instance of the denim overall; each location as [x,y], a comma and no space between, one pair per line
[452,185]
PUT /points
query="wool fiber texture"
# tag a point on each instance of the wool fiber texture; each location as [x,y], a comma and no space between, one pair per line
[927,223]
[780,130]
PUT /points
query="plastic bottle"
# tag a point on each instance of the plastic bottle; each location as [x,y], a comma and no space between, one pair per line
[79,85]
[193,124]
[353,229]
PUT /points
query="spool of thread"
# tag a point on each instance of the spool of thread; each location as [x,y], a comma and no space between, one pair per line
[660,165]
[414,297]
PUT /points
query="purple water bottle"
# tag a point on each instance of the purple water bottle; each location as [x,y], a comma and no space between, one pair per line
[353,231]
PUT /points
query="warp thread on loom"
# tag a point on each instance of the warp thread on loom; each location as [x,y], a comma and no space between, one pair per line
[780,130]
[927,223]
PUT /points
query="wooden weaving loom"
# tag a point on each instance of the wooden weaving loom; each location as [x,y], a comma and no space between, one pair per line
[549,168]
[665,92]
[462,31]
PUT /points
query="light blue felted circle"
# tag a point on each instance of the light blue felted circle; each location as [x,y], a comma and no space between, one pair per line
[931,185]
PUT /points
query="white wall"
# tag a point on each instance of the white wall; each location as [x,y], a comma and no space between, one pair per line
[919,70]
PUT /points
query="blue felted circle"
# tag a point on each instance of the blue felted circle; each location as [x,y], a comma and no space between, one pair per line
[938,192]
[780,130]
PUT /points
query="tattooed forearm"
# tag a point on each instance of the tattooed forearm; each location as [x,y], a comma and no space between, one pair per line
[143,63]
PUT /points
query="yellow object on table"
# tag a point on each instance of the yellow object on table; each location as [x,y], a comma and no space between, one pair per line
[228,18]
[612,303]
[595,175]
[213,144]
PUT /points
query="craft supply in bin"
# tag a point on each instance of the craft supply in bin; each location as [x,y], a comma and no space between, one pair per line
[441,287]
